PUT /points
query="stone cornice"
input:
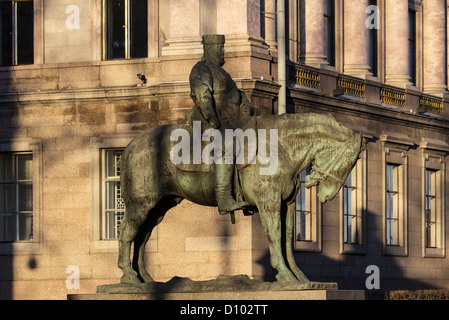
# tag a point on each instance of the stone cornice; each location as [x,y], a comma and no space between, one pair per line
[379,112]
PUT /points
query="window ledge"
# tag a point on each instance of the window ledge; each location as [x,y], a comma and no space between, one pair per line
[309,246]
[400,251]
[21,247]
[433,253]
[352,248]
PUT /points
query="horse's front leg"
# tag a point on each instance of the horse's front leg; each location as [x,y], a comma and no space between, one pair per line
[289,247]
[270,214]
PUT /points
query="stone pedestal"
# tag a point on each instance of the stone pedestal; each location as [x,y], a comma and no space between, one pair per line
[223,288]
[229,295]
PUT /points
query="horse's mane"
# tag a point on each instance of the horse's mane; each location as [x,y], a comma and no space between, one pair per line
[306,124]
[322,131]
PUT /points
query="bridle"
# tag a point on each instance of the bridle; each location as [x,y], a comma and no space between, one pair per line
[326,174]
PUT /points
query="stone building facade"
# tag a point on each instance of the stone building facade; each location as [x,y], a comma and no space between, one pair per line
[71,100]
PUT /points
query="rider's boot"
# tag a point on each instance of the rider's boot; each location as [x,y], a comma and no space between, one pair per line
[223,190]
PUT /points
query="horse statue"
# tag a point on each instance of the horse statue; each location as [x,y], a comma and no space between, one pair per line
[152,184]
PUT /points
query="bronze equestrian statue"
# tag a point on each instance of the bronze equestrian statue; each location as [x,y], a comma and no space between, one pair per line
[223,106]
[152,183]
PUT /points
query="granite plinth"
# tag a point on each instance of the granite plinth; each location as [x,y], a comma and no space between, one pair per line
[333,294]
[223,288]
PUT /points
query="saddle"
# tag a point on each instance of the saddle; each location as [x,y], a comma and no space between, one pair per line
[209,168]
[194,166]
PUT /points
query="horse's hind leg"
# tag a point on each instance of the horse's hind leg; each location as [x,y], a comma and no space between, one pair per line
[135,216]
[140,240]
[155,216]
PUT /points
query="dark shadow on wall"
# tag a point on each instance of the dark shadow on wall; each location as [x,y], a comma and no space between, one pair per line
[8,131]
[350,270]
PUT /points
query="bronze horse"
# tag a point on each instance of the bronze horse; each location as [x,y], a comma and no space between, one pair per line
[152,184]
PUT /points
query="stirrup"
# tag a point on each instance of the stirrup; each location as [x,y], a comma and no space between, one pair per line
[232,207]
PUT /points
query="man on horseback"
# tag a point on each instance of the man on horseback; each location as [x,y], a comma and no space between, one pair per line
[221,105]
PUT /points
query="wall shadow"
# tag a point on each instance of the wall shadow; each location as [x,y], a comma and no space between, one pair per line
[8,131]
[349,271]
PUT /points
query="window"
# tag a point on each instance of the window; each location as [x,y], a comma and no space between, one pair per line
[433,198]
[17,32]
[392,203]
[307,218]
[350,208]
[430,207]
[412,44]
[16,197]
[113,206]
[107,206]
[329,31]
[395,193]
[125,29]
[372,43]
[303,209]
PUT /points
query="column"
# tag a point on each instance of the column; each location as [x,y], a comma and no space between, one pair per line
[434,46]
[356,46]
[270,24]
[239,20]
[312,33]
[182,26]
[397,62]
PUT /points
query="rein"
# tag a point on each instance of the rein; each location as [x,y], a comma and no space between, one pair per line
[325,174]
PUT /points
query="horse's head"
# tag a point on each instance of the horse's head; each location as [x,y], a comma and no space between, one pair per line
[332,166]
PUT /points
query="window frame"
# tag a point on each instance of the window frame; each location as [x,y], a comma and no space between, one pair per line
[431,210]
[412,44]
[128,32]
[314,243]
[394,152]
[34,147]
[373,42]
[105,180]
[416,6]
[358,247]
[330,26]
[97,145]
[304,210]
[392,212]
[14,33]
[434,159]
[16,182]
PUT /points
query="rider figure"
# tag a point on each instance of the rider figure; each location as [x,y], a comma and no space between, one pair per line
[222,105]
